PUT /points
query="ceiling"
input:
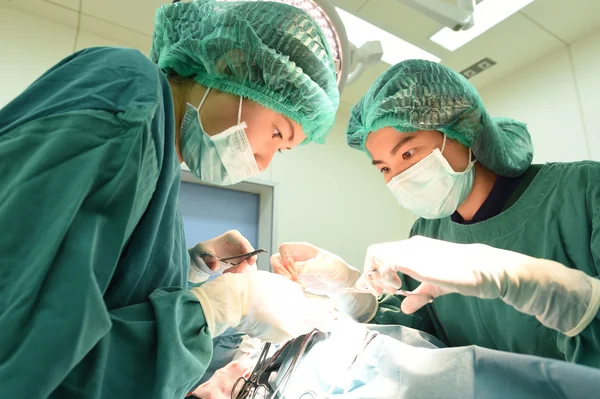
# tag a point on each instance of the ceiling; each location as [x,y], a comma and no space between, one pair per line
[538,30]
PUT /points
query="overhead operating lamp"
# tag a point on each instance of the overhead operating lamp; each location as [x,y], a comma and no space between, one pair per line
[350,61]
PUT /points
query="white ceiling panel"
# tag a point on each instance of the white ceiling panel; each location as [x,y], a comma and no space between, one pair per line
[568,19]
[70,4]
[45,10]
[513,44]
[538,30]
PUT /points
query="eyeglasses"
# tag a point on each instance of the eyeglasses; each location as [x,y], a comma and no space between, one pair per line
[233,260]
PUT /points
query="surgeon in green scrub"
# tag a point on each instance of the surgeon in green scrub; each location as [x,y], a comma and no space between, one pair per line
[508,251]
[94,301]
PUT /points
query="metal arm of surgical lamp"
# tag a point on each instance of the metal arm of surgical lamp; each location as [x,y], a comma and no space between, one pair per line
[368,55]
[458,17]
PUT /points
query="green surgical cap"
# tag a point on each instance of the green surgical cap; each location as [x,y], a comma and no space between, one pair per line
[271,53]
[422,95]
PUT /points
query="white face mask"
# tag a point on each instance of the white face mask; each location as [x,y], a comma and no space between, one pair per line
[431,189]
[223,159]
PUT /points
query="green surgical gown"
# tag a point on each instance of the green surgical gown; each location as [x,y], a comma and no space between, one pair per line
[556,217]
[93,299]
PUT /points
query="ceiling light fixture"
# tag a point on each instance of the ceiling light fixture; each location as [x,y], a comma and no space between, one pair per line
[487,14]
[395,49]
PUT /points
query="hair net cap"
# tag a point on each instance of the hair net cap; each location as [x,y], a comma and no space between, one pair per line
[422,95]
[271,53]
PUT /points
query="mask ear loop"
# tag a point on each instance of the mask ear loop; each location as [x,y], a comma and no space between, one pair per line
[444,146]
[240,111]
[200,106]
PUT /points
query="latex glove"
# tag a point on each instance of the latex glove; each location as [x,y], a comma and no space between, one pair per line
[220,385]
[322,273]
[261,304]
[561,298]
[232,243]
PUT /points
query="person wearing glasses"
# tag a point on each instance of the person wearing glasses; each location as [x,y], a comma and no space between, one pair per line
[94,294]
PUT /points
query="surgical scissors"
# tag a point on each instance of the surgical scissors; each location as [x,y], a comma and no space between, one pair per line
[251,387]
[291,368]
[228,260]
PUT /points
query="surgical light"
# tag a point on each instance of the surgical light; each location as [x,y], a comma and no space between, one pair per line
[324,14]
[355,43]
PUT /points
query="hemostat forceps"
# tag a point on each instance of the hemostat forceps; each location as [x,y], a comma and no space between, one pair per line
[355,290]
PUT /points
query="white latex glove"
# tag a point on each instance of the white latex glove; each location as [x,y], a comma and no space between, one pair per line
[322,273]
[220,385]
[261,304]
[230,244]
[561,298]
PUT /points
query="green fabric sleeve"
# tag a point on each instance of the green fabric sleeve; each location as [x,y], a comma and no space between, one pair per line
[585,347]
[74,186]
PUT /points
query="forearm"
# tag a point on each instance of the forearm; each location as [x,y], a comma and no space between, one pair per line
[564,299]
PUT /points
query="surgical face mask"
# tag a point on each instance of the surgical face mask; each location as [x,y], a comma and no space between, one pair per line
[431,189]
[223,159]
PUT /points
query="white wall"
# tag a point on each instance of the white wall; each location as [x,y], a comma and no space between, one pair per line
[558,97]
[586,64]
[328,195]
[28,46]
[333,197]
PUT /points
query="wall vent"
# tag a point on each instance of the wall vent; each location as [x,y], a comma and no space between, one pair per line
[478,67]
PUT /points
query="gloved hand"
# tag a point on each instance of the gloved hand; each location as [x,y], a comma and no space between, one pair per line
[561,298]
[261,304]
[230,244]
[221,383]
[322,273]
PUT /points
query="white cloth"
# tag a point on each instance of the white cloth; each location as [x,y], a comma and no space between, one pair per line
[404,363]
